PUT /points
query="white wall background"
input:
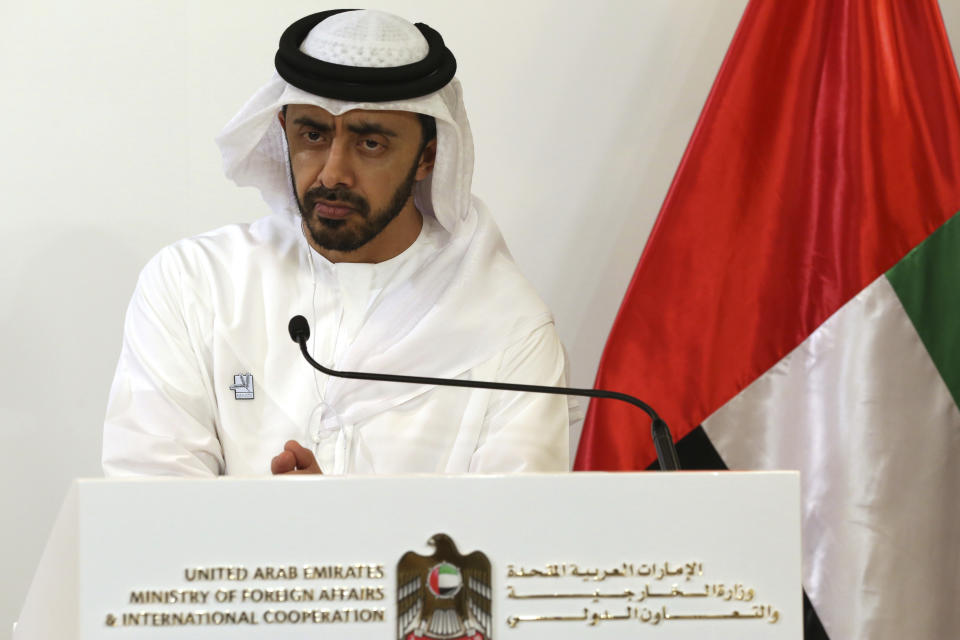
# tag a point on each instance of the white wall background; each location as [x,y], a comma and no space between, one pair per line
[580,112]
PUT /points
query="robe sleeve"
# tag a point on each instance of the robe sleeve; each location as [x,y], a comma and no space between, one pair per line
[161,417]
[527,431]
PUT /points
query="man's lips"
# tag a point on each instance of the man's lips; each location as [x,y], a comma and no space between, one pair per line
[333,211]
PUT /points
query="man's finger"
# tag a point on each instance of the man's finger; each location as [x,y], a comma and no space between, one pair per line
[305,461]
[284,462]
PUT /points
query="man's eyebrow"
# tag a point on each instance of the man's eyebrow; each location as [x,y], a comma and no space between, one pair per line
[310,122]
[365,128]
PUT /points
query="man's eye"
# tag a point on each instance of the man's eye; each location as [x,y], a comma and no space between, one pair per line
[314,136]
[370,145]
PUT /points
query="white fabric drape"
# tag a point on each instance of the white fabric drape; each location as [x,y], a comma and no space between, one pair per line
[860,409]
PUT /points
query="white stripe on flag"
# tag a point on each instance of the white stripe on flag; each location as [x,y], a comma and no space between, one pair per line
[861,411]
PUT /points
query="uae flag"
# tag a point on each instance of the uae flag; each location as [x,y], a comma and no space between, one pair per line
[444,580]
[797,305]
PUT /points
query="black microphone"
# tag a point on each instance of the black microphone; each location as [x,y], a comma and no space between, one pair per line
[299,329]
[666,453]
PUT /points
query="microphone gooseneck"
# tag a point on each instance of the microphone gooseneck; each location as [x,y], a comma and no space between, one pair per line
[299,330]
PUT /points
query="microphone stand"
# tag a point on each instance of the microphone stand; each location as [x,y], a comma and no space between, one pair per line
[662,440]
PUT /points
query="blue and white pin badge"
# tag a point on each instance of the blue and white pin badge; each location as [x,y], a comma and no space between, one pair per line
[242,386]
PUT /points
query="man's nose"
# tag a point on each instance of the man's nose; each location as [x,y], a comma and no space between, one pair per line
[338,168]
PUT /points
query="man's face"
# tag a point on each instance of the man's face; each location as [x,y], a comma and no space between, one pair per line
[353,174]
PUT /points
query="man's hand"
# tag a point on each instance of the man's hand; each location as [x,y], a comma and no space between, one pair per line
[294,459]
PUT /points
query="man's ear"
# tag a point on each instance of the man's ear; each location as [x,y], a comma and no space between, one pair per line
[283,119]
[427,157]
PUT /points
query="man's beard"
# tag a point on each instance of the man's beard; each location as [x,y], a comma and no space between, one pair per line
[338,235]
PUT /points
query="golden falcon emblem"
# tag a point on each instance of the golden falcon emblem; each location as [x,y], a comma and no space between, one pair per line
[445,596]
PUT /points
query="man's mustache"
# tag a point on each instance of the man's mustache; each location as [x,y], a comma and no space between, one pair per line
[339,194]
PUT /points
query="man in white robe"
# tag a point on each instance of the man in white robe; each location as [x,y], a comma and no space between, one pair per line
[377,241]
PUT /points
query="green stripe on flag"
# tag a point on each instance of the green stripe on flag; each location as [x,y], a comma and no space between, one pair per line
[927,281]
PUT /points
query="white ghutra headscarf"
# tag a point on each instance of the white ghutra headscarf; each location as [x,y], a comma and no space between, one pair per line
[254,147]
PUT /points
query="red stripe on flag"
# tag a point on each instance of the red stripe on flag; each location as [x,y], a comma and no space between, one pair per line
[475,636]
[829,147]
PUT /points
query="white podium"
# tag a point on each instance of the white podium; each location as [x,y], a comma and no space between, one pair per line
[519,557]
